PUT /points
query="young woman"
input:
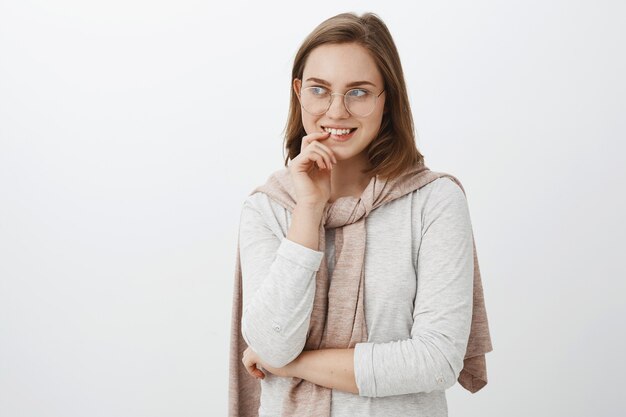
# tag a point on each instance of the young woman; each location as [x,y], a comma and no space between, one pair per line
[357,289]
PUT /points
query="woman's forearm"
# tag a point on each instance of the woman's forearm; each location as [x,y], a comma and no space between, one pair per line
[330,368]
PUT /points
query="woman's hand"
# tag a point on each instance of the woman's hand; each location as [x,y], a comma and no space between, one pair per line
[252,361]
[310,170]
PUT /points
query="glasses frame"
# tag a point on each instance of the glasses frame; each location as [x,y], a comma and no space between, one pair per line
[330,102]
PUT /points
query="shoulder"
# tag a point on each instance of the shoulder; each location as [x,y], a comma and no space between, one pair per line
[443,199]
[263,204]
[441,189]
[258,208]
[258,201]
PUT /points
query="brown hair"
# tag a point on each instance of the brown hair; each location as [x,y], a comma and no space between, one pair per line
[394,149]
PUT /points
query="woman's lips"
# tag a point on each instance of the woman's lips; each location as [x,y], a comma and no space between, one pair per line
[343,138]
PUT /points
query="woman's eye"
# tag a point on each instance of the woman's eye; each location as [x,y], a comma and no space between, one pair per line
[318,91]
[357,92]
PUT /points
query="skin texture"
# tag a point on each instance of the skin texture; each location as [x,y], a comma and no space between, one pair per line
[324,171]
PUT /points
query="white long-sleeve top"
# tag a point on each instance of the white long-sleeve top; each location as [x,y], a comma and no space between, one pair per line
[419,268]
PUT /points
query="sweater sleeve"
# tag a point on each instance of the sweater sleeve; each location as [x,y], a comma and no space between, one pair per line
[432,358]
[278,287]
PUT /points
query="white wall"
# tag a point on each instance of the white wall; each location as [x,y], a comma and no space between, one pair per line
[128,143]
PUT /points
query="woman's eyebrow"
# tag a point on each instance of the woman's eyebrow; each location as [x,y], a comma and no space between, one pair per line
[352,84]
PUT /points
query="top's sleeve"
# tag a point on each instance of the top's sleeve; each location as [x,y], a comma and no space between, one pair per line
[278,287]
[432,358]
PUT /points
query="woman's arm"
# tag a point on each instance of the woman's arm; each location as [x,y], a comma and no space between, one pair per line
[278,282]
[433,357]
[330,368]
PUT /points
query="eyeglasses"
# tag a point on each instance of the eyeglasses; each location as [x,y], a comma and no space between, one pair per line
[358,101]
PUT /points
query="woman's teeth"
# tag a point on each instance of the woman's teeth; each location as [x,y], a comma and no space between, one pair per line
[337,132]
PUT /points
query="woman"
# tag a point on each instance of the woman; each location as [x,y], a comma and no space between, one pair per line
[357,282]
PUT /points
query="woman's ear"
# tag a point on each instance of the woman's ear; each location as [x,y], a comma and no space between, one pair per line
[296,86]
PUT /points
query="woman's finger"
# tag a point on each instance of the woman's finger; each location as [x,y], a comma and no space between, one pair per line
[311,137]
[315,155]
[250,362]
[329,158]
[326,148]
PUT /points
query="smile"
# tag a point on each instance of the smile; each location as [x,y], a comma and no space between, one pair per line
[338,132]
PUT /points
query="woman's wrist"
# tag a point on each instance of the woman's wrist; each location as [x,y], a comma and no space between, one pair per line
[295,367]
[305,224]
[311,207]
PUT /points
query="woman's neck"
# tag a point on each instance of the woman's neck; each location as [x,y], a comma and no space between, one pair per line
[346,178]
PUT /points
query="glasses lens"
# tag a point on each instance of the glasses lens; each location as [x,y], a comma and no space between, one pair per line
[315,100]
[360,102]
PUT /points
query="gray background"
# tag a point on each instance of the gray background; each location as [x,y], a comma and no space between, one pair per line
[131,132]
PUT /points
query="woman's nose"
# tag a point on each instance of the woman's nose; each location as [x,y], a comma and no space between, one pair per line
[337,109]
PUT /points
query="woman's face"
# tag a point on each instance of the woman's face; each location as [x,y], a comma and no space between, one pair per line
[338,68]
